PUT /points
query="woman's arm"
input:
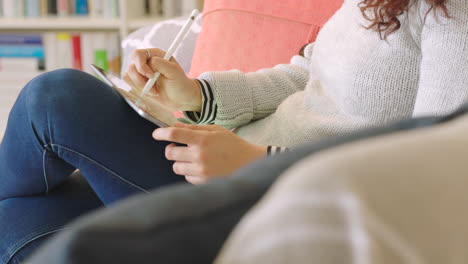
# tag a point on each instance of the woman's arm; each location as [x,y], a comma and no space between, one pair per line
[238,98]
[443,84]
[230,99]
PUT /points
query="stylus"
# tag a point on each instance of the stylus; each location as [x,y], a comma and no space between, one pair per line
[170,52]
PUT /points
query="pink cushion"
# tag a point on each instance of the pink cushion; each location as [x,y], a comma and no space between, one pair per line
[252,34]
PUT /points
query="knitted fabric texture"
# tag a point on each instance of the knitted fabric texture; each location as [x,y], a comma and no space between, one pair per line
[350,79]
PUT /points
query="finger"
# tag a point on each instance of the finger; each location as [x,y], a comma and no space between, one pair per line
[140,59]
[195,180]
[136,77]
[132,85]
[199,127]
[161,53]
[185,168]
[170,70]
[176,153]
[178,135]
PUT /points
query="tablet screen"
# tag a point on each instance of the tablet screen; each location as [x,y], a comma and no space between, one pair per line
[131,94]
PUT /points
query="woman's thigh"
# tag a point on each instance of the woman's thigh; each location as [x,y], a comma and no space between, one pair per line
[68,119]
[26,222]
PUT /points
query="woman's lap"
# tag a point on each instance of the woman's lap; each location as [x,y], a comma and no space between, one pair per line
[26,222]
[65,120]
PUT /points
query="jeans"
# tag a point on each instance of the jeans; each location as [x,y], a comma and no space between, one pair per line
[167,225]
[62,121]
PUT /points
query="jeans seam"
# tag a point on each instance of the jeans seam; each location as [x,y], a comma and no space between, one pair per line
[20,244]
[103,167]
[44,169]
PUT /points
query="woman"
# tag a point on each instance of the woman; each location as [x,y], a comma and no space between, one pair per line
[373,63]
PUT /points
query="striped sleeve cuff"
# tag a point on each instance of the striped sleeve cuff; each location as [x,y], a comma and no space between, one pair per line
[209,107]
[272,150]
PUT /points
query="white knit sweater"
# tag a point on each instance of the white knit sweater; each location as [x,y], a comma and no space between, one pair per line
[350,79]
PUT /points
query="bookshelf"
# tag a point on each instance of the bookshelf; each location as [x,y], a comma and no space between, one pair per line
[124,24]
[113,20]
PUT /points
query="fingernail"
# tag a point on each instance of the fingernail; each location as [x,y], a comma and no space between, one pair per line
[155,132]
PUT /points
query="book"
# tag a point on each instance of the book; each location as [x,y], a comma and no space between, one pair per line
[64,51]
[24,51]
[50,45]
[96,8]
[52,7]
[62,7]
[81,7]
[113,52]
[87,50]
[32,8]
[9,8]
[76,48]
[100,51]
[43,6]
[111,8]
[20,8]
[20,39]
[1,8]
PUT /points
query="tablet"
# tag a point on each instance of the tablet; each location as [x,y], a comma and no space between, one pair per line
[123,89]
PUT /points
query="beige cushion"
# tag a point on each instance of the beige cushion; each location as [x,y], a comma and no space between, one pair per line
[400,198]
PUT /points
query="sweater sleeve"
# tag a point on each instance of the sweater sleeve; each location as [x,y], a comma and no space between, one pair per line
[241,98]
[443,84]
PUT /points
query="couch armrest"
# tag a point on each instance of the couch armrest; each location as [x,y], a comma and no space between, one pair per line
[161,35]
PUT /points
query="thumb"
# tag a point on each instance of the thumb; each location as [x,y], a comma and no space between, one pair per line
[169,69]
[140,58]
[199,127]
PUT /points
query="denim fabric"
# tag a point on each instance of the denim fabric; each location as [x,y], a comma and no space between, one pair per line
[62,121]
[187,224]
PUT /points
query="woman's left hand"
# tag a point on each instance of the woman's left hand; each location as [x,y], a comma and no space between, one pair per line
[211,151]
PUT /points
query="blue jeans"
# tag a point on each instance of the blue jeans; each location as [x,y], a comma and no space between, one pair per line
[62,121]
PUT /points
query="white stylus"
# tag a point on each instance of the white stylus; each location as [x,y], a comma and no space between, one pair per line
[175,44]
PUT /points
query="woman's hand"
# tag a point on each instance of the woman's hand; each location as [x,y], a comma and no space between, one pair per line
[174,89]
[211,151]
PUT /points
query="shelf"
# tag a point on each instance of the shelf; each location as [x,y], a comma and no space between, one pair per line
[73,23]
[17,77]
[60,23]
[141,22]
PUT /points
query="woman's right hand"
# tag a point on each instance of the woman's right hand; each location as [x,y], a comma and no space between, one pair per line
[173,89]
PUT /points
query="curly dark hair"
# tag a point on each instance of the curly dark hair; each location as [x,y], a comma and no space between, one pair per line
[383,14]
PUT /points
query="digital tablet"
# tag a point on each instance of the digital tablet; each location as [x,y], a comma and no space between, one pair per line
[123,89]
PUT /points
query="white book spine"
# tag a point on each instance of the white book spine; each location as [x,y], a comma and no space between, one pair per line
[87,51]
[19,64]
[97,9]
[9,8]
[109,8]
[50,46]
[64,51]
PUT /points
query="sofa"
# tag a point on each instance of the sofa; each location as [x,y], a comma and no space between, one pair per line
[257,215]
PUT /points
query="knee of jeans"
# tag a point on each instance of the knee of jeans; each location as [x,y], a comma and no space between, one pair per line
[57,91]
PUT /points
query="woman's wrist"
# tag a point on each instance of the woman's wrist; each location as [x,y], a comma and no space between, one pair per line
[198,99]
[258,152]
